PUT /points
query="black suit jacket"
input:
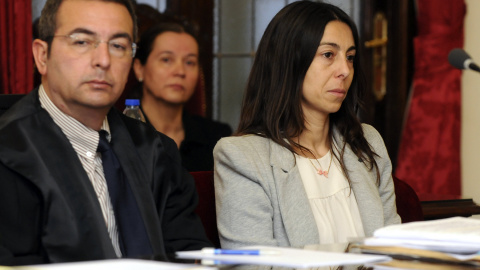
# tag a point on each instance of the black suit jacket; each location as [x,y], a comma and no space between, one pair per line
[49,211]
[201,136]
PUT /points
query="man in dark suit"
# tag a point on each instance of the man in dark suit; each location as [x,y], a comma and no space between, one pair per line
[56,199]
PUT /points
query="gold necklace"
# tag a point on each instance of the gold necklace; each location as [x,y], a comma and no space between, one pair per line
[320,171]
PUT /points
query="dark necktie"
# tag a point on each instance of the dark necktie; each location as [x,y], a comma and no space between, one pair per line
[133,237]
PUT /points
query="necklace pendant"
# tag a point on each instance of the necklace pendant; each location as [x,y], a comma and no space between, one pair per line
[324,173]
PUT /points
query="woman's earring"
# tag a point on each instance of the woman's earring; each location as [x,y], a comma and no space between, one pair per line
[140,79]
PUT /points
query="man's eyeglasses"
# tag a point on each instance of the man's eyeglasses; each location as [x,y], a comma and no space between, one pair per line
[118,47]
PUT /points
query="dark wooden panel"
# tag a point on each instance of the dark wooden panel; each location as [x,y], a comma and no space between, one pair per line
[449,208]
[386,115]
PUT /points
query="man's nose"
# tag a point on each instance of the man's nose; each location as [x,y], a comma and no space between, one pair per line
[101,55]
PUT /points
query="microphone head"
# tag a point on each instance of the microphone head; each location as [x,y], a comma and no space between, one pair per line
[457,58]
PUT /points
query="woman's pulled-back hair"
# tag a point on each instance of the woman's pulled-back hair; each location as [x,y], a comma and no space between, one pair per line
[272,101]
[147,39]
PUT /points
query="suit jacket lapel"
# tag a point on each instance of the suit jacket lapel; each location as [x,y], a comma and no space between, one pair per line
[136,173]
[295,209]
[364,186]
[27,146]
[296,212]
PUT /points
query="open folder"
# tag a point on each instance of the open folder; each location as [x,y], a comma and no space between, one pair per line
[287,257]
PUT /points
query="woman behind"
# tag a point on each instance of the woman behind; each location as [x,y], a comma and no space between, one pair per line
[167,66]
[302,169]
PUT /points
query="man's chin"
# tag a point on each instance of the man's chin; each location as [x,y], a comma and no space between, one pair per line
[99,103]
[102,99]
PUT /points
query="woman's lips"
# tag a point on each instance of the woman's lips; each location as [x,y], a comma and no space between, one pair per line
[176,86]
[338,92]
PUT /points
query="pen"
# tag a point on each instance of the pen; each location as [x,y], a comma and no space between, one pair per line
[239,251]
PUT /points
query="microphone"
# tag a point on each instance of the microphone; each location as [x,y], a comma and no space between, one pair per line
[460,59]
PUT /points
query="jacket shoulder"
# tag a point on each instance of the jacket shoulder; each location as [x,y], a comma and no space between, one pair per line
[369,130]
[372,135]
[143,135]
[23,108]
[253,142]
[213,128]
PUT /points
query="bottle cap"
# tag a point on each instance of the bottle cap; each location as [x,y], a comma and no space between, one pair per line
[132,102]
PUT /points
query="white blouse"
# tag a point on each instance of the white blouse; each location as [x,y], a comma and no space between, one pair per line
[332,201]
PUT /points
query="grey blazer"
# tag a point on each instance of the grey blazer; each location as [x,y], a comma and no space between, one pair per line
[261,200]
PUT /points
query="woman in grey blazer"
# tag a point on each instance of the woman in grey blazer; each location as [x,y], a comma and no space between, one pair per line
[302,169]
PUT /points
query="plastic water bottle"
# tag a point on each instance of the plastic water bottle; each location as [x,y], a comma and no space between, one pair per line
[132,109]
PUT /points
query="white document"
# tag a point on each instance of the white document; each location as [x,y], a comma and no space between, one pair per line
[455,235]
[455,229]
[288,257]
[435,245]
[116,264]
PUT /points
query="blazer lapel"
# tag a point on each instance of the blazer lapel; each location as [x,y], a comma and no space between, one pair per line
[136,173]
[27,146]
[363,183]
[295,209]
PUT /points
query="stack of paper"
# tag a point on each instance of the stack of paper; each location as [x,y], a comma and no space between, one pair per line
[287,257]
[117,264]
[453,240]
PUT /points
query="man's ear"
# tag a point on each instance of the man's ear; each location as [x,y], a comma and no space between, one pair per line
[40,54]
[138,69]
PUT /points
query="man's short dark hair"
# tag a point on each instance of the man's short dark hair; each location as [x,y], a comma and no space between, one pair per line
[48,19]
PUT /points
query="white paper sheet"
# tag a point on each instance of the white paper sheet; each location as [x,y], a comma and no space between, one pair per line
[455,230]
[119,264]
[453,235]
[289,257]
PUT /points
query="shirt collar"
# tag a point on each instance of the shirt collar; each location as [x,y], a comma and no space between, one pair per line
[77,133]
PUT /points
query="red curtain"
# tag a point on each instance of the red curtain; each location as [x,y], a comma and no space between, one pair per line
[429,154]
[16,60]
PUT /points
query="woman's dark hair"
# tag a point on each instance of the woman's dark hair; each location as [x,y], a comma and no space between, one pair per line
[272,101]
[147,39]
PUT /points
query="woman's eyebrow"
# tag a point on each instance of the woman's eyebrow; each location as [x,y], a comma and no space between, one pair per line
[333,44]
